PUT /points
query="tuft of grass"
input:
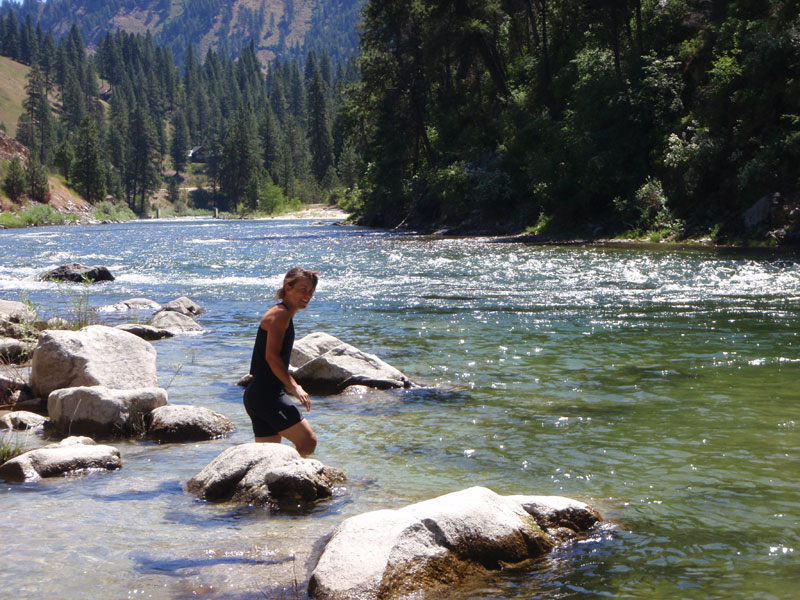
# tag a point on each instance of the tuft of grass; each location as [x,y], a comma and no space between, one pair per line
[10,446]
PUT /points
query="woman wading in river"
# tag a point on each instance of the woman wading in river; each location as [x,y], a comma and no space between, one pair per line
[272,412]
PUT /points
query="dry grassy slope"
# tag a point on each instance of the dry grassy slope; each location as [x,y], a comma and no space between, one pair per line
[149,16]
[12,91]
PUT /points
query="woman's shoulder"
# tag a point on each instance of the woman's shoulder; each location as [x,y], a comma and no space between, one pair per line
[277,314]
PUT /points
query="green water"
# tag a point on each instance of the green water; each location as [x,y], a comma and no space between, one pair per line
[659,385]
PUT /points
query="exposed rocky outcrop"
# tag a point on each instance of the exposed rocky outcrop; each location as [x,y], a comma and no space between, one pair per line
[98,410]
[271,475]
[175,322]
[324,364]
[185,423]
[78,273]
[94,355]
[22,420]
[424,549]
[67,456]
[146,332]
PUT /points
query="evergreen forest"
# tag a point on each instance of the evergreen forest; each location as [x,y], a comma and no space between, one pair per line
[591,117]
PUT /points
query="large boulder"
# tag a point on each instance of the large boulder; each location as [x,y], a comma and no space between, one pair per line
[68,456]
[22,420]
[325,364]
[98,410]
[423,549]
[272,475]
[185,306]
[175,322]
[78,273]
[146,332]
[185,423]
[94,355]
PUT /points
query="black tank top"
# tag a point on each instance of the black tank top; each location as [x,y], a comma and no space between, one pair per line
[259,367]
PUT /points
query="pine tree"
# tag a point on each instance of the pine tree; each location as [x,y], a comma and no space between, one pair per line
[65,155]
[37,186]
[179,146]
[241,157]
[88,170]
[14,183]
[271,141]
[141,168]
[37,128]
[320,141]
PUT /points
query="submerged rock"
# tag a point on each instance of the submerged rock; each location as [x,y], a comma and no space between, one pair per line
[135,304]
[94,355]
[98,410]
[78,273]
[185,423]
[325,364]
[423,549]
[269,475]
[67,456]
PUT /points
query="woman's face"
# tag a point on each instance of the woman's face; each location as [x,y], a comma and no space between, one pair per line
[300,293]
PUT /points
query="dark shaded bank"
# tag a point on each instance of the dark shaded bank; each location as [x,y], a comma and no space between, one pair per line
[772,221]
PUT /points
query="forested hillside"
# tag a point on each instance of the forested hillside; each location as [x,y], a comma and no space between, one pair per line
[633,114]
[594,117]
[126,121]
[287,29]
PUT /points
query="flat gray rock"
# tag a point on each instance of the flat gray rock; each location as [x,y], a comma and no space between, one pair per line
[14,350]
[22,420]
[16,312]
[175,322]
[422,550]
[146,332]
[68,456]
[185,423]
[271,475]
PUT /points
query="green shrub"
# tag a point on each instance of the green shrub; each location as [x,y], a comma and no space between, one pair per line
[110,211]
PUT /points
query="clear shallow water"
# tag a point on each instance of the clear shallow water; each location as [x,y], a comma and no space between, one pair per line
[660,385]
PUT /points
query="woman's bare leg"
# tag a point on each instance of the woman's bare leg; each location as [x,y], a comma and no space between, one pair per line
[272,439]
[302,436]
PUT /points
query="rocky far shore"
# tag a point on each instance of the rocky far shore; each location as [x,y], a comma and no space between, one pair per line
[81,389]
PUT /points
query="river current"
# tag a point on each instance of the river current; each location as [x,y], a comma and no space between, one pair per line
[660,385]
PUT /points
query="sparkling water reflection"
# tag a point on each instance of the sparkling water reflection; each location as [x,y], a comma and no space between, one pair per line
[658,384]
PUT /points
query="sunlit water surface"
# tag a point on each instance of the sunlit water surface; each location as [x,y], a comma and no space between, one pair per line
[660,385]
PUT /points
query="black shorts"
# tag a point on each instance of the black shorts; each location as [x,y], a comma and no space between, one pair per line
[270,410]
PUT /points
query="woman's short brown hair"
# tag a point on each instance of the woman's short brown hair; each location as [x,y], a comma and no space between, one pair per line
[294,275]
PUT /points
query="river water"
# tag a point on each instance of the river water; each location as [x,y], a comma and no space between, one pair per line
[658,384]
